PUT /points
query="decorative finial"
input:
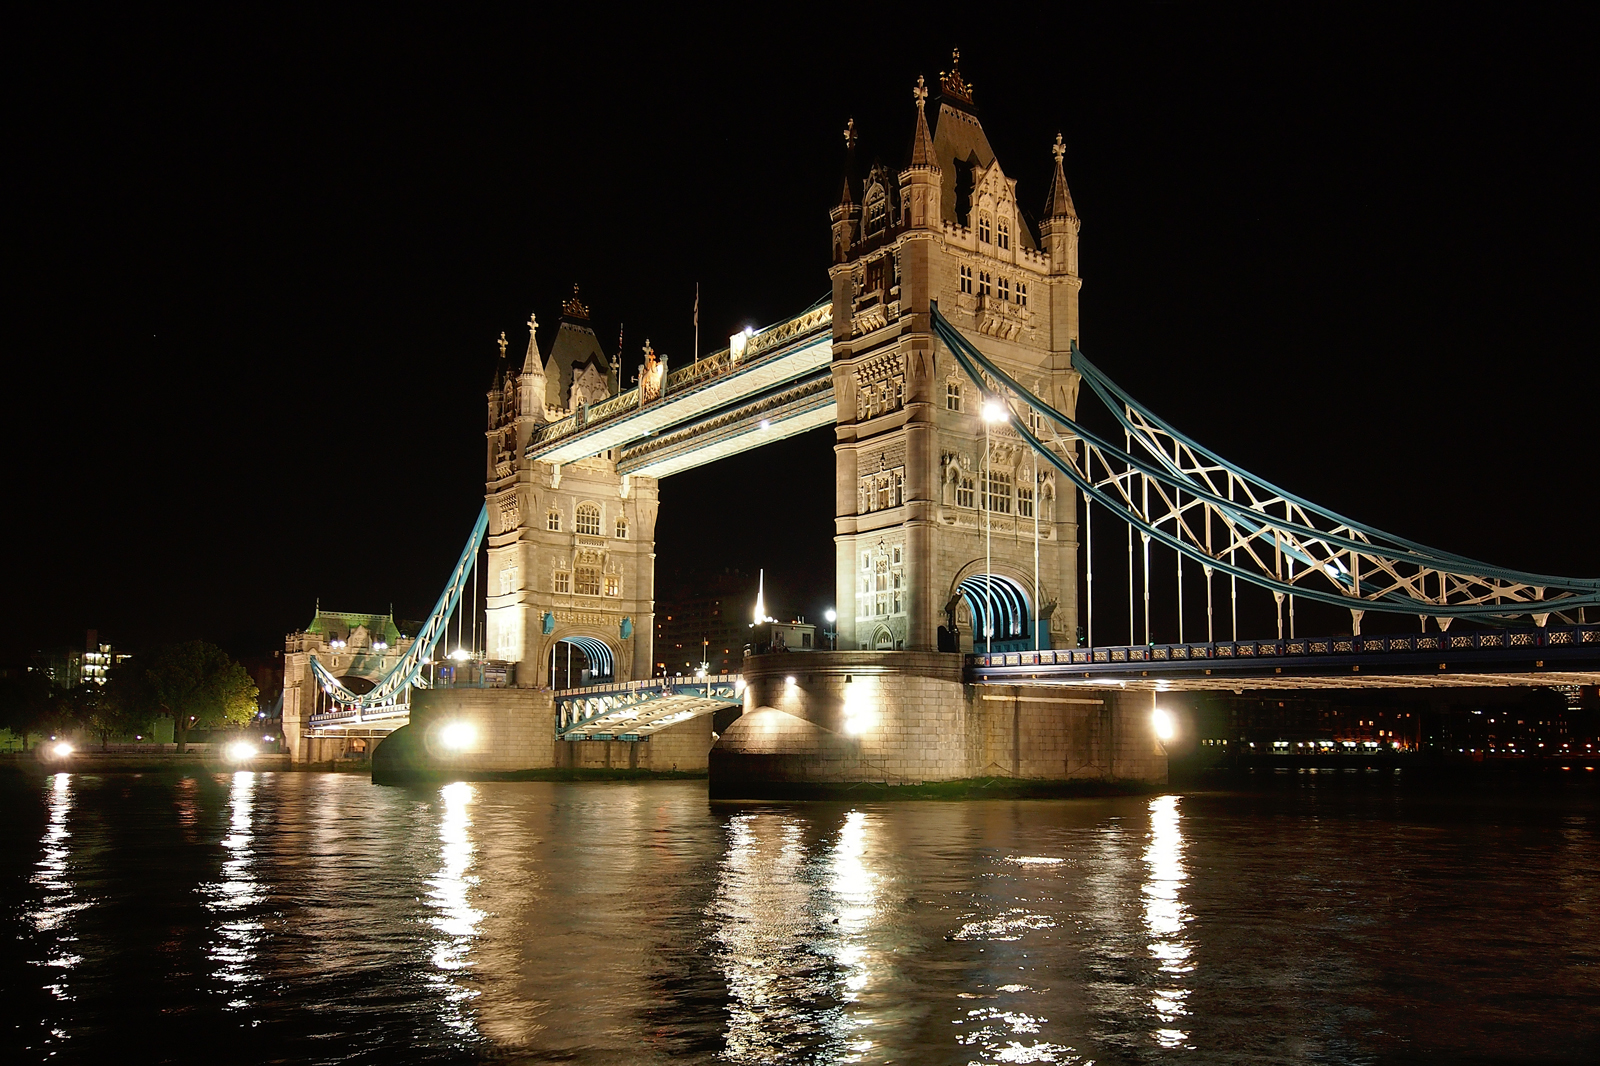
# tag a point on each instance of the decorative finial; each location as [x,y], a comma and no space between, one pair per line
[850,134]
[533,323]
[952,83]
[920,93]
[502,344]
[575,308]
[1059,150]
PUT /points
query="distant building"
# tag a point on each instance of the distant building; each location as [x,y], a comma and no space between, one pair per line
[711,629]
[68,668]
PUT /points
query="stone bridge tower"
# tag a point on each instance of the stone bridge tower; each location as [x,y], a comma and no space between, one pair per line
[917,484]
[571,548]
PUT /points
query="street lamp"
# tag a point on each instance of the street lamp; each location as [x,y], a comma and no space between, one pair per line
[993,411]
[831,616]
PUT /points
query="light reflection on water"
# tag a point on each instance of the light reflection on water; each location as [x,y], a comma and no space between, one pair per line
[454,917]
[234,896]
[638,923]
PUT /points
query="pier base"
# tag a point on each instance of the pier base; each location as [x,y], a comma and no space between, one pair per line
[815,722]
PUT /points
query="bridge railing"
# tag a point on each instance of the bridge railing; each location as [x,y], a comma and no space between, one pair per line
[1551,637]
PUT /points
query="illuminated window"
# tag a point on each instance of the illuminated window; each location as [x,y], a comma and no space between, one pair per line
[983,229]
[613,585]
[997,491]
[1003,231]
[966,279]
[952,396]
[622,528]
[588,581]
[1022,294]
[587,520]
[895,601]
[563,581]
[965,491]
[552,521]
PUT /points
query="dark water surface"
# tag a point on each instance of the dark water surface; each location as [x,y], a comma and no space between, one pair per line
[1332,918]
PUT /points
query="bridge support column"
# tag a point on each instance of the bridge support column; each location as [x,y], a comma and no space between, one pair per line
[818,724]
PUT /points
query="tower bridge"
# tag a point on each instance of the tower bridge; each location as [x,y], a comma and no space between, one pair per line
[967,497]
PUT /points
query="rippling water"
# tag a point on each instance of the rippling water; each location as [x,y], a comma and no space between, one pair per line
[316,918]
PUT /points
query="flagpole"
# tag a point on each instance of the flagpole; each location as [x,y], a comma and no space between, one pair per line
[697,321]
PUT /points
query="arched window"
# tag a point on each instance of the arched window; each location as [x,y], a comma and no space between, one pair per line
[587,581]
[552,521]
[983,229]
[622,528]
[588,519]
[1003,233]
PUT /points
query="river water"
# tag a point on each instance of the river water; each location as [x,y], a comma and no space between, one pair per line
[1320,918]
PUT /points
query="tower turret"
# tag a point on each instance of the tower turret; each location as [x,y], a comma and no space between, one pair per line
[846,216]
[1059,233]
[919,182]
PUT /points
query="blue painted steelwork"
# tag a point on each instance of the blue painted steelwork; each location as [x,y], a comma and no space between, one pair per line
[1398,569]
[643,706]
[602,663]
[1006,618]
[409,668]
[1552,650]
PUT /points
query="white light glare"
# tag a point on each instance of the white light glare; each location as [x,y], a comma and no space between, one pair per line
[460,655]
[831,615]
[789,681]
[458,735]
[240,751]
[994,411]
[1162,722]
[62,750]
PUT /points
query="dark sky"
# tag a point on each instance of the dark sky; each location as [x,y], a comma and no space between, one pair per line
[260,262]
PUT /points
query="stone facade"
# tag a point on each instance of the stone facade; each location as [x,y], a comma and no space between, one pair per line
[830,718]
[359,649]
[922,491]
[571,548]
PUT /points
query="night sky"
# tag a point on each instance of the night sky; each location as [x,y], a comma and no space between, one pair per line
[260,264]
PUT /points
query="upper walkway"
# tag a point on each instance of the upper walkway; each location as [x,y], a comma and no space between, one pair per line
[768,384]
[1557,655]
[632,710]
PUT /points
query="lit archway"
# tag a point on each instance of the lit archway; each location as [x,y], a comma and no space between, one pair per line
[1000,610]
[584,661]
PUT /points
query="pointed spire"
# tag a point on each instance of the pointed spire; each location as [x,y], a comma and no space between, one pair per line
[502,344]
[845,199]
[532,363]
[1059,203]
[922,143]
[761,598]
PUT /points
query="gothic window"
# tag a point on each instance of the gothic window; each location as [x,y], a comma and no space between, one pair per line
[952,396]
[877,215]
[966,279]
[880,586]
[899,392]
[588,519]
[1022,294]
[613,585]
[895,601]
[622,528]
[1035,421]
[965,490]
[1005,290]
[552,521]
[983,229]
[997,491]
[895,555]
[875,274]
[1003,233]
[563,581]
[984,287]
[508,580]
[588,581]
[1024,501]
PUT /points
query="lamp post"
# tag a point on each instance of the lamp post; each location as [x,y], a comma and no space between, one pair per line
[993,411]
[831,616]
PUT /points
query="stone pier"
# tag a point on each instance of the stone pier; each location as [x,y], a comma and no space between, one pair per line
[817,722]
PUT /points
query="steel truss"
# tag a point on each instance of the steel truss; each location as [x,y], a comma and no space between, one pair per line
[1177,493]
[409,668]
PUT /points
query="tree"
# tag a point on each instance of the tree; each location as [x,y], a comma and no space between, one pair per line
[196,684]
[112,709]
[25,703]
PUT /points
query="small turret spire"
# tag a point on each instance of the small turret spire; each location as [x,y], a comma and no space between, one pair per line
[1059,203]
[845,199]
[922,143]
[532,363]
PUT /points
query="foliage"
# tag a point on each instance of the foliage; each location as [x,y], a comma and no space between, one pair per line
[195,683]
[25,703]
[106,710]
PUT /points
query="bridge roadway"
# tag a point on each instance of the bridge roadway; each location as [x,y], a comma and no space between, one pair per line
[1557,655]
[770,384]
